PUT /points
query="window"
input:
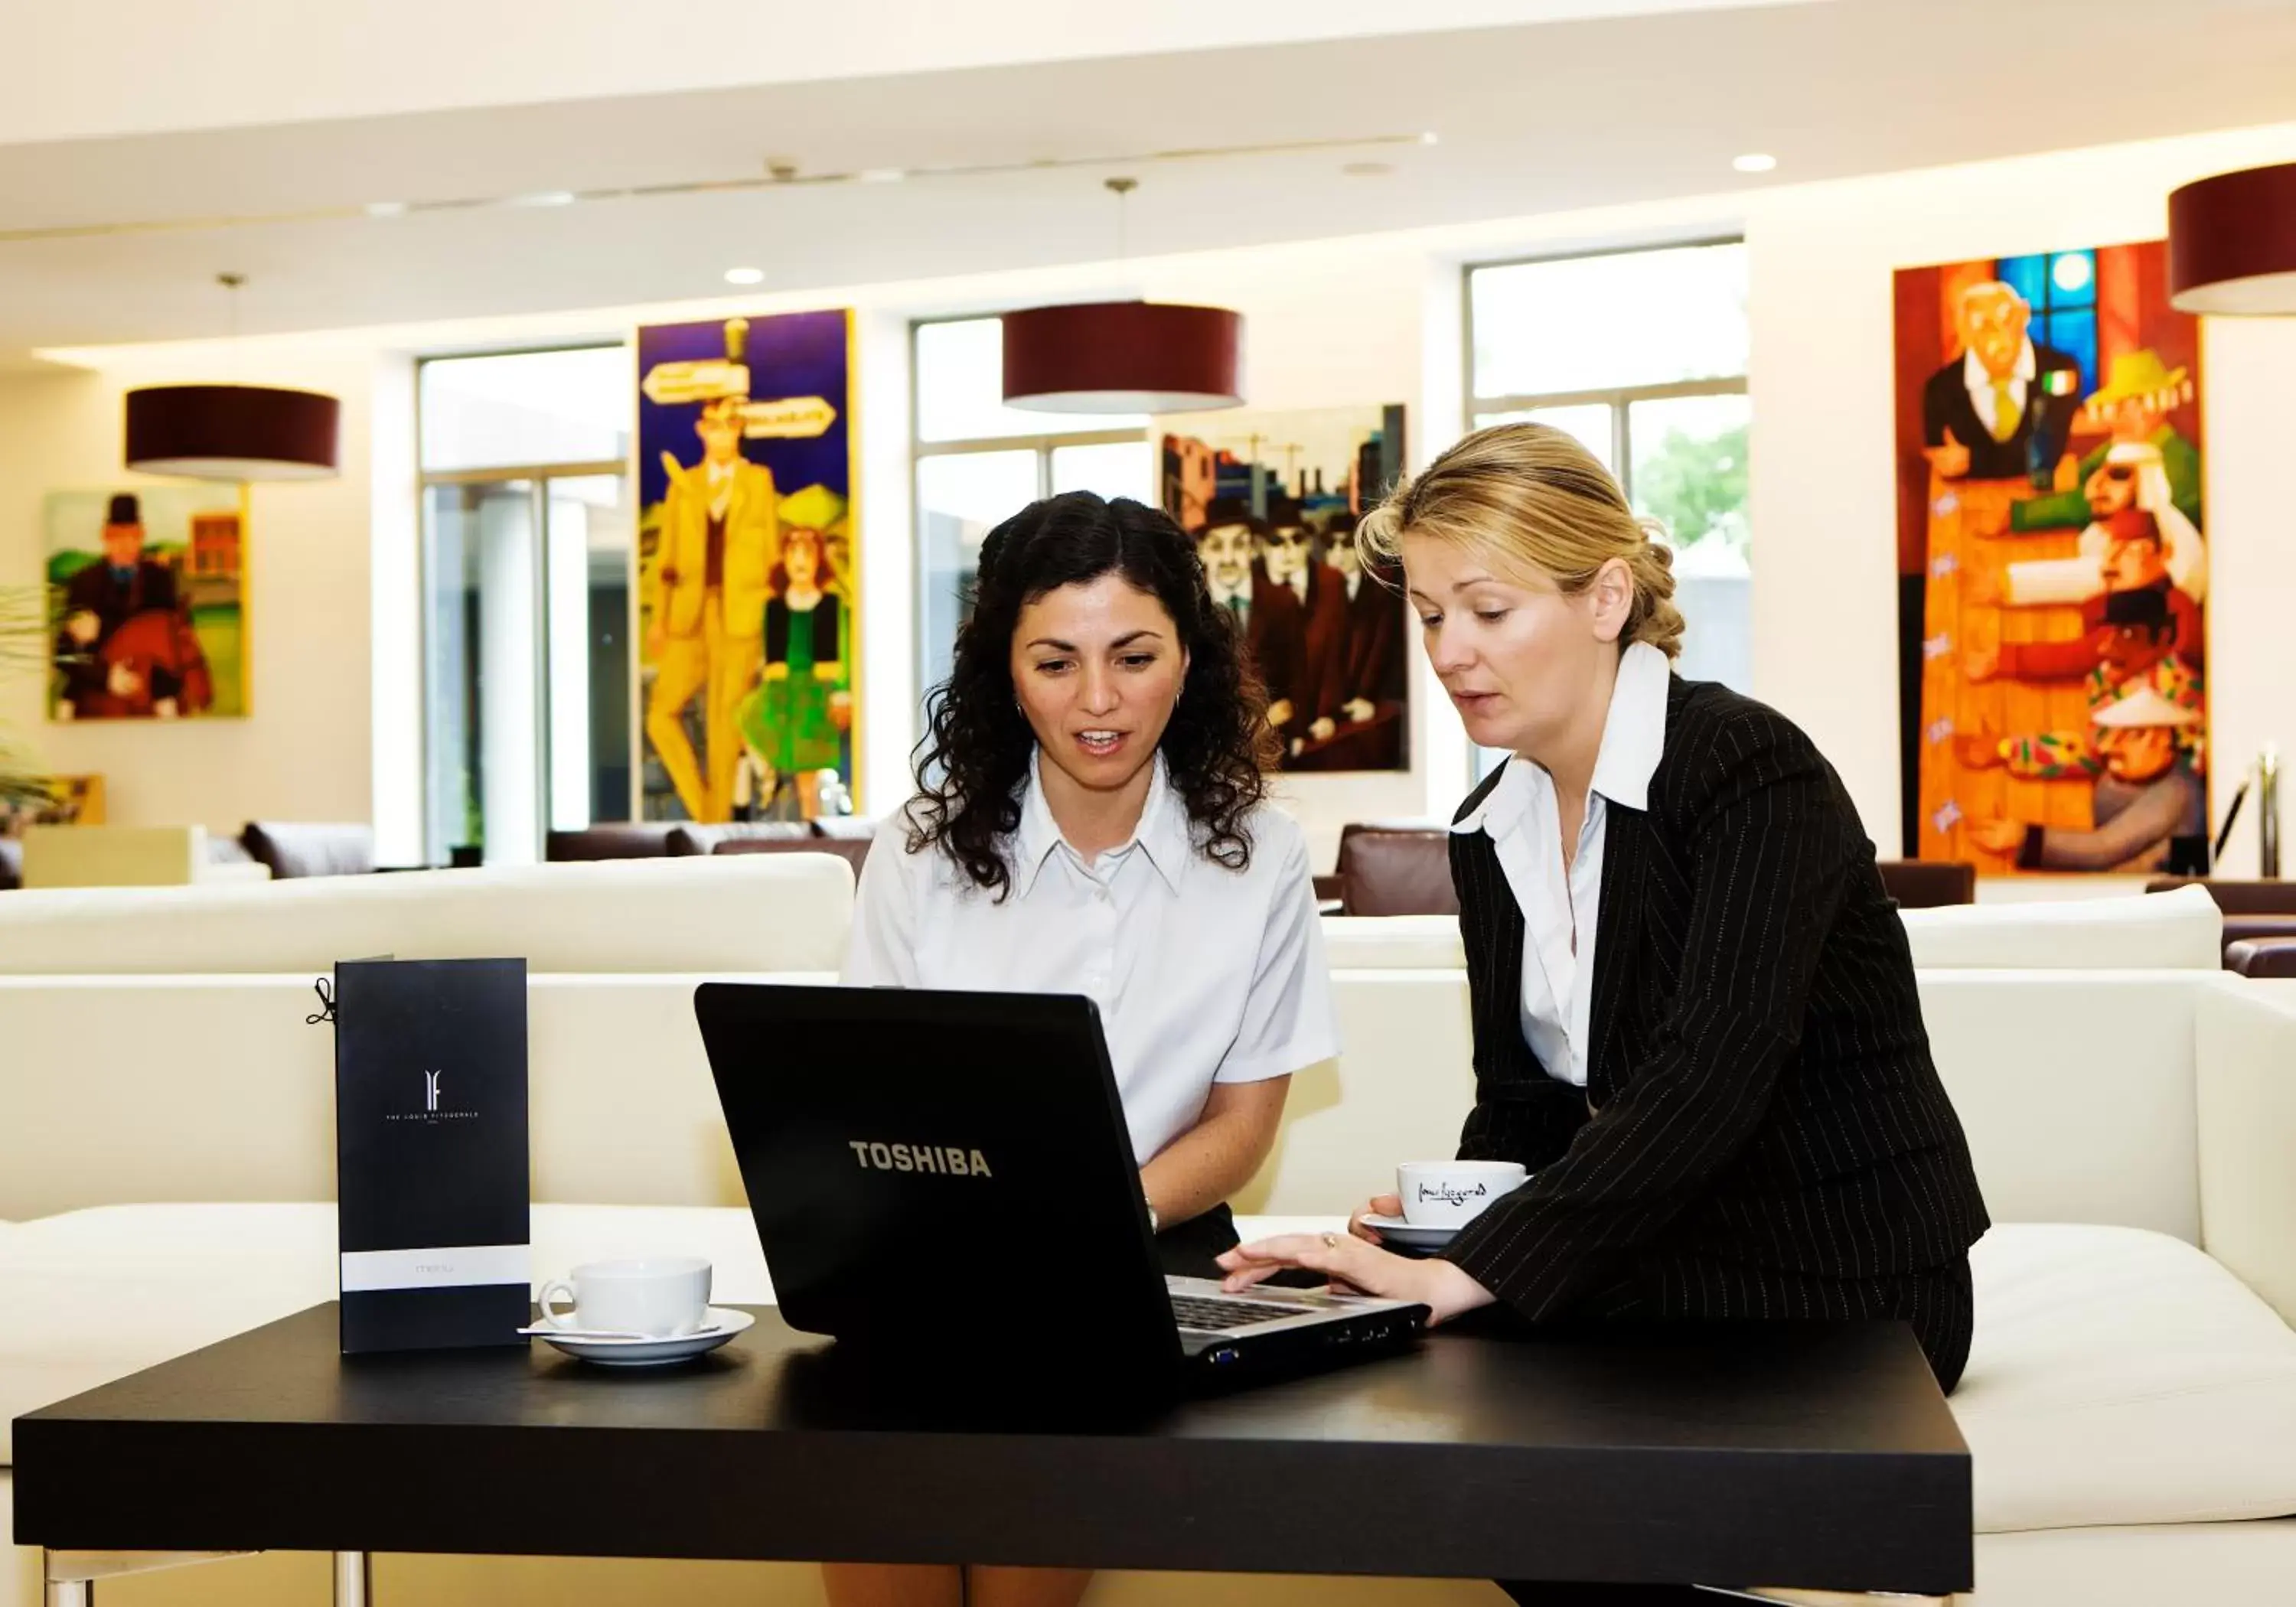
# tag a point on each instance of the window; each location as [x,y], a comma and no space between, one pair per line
[526,535]
[978,463]
[2061,288]
[1641,356]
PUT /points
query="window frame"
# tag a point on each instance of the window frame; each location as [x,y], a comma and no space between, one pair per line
[538,477]
[1043,444]
[1618,399]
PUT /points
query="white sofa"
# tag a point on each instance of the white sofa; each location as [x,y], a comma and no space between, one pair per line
[2130,1398]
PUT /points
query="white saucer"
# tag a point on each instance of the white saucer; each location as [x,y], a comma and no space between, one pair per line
[722,1325]
[1396,1231]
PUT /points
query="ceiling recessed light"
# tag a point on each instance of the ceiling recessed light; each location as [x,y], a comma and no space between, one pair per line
[1431,138]
[386,209]
[881,175]
[1754,161]
[745,276]
[545,198]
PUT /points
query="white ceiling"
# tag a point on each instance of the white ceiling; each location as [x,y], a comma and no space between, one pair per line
[144,66]
[1532,117]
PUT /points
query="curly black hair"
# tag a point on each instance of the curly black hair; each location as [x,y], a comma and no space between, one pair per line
[972,766]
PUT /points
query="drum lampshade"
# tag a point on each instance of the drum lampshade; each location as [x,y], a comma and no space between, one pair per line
[1123,357]
[233,432]
[2232,243]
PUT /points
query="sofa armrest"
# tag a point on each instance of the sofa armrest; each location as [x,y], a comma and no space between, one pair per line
[2245,1044]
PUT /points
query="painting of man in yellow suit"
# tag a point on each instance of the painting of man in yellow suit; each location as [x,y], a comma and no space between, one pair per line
[720,541]
[769,399]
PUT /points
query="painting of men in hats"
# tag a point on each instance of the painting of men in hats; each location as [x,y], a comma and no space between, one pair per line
[2053,566]
[146,592]
[1272,501]
[744,444]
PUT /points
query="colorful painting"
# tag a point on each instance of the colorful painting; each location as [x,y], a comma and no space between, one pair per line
[73,800]
[148,588]
[2052,567]
[748,597]
[1273,500]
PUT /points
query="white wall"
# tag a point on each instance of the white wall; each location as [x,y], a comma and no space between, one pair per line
[302,752]
[1372,319]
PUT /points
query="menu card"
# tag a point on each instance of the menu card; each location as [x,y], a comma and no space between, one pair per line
[430,1153]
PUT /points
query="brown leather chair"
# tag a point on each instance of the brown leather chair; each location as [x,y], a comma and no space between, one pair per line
[853,850]
[1928,883]
[2235,898]
[311,848]
[1396,870]
[2262,956]
[612,840]
[690,838]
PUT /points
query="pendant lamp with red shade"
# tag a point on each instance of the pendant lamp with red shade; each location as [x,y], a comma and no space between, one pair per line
[1123,357]
[233,432]
[2232,243]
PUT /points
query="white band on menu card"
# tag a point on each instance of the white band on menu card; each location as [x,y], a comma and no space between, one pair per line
[449,1266]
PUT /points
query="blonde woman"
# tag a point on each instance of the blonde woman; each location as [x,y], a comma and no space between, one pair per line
[1693,1004]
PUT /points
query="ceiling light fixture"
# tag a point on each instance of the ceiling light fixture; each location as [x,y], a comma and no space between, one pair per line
[233,432]
[1754,161]
[745,276]
[2232,243]
[1123,357]
[782,175]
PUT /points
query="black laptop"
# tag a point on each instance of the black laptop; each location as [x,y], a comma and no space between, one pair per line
[948,1175]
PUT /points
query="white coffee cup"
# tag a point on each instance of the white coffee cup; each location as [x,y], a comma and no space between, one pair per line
[661,1297]
[1452,1193]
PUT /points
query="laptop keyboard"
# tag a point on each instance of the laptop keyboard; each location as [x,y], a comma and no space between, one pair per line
[1205,1316]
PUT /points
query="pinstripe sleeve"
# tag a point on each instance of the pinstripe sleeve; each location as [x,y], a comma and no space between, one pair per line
[1771,842]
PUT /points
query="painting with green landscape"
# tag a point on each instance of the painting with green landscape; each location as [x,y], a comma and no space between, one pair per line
[147,593]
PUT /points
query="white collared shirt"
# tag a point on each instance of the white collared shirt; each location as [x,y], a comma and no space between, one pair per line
[1562,911]
[1202,974]
[1978,380]
[721,488]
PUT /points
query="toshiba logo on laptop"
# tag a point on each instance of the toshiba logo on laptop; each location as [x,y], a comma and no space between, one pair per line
[947,1160]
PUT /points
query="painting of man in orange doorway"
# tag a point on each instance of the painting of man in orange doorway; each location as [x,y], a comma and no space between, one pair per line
[720,539]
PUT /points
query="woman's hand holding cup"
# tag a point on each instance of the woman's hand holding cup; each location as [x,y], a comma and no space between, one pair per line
[1390,1205]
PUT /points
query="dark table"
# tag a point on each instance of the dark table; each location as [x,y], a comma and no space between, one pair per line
[1818,1457]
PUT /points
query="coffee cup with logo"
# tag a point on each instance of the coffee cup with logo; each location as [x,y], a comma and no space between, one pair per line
[659,1297]
[1452,1193]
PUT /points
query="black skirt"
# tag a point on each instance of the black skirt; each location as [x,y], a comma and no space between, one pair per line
[1188,1249]
[1191,1248]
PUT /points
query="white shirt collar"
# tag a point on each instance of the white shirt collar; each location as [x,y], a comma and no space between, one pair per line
[1163,833]
[1976,376]
[1634,740]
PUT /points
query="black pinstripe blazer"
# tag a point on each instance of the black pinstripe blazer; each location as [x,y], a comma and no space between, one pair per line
[1762,1094]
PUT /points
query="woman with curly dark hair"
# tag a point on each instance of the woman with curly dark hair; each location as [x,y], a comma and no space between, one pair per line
[1092,819]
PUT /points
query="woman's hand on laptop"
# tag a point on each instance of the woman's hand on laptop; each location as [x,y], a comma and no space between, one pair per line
[1354,1263]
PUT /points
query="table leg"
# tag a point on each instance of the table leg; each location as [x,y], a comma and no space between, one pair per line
[71,1576]
[354,1579]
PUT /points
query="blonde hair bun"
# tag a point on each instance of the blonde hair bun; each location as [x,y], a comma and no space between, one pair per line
[1529,495]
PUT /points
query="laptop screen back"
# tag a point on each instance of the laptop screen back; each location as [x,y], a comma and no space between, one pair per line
[937,1170]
